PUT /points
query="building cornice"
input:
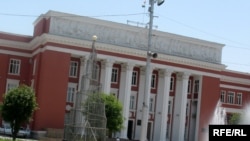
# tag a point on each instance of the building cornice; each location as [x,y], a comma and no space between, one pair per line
[235,80]
[48,38]
[122,35]
[132,52]
[14,44]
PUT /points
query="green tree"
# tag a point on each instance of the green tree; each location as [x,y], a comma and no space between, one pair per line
[113,111]
[17,107]
[234,119]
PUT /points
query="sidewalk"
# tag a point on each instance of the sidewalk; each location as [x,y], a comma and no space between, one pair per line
[17,139]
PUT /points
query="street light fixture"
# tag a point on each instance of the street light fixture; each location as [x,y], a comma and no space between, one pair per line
[94,38]
[147,87]
[160,2]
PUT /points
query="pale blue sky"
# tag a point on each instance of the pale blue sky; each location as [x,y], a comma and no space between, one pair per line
[222,21]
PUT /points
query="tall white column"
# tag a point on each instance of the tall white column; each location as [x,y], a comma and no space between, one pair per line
[179,116]
[83,65]
[106,72]
[124,94]
[162,105]
[79,97]
[139,102]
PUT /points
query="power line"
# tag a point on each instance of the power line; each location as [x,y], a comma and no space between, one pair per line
[135,14]
[113,15]
[17,15]
[204,32]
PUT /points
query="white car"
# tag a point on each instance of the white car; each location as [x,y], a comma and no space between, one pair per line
[6,130]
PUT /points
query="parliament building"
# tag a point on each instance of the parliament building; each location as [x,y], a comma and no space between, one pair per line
[188,80]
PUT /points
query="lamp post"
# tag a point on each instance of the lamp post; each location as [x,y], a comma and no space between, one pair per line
[147,87]
[94,38]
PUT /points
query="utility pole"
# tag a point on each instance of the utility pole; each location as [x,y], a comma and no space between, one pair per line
[147,87]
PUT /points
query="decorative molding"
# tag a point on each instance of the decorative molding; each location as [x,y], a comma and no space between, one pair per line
[107,63]
[182,75]
[165,72]
[127,66]
[235,80]
[125,37]
[234,87]
[45,38]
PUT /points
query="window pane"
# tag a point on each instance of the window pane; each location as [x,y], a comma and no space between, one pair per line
[73,69]
[153,81]
[134,78]
[239,99]
[95,74]
[70,94]
[114,76]
[196,86]
[151,104]
[230,97]
[222,96]
[132,100]
[172,84]
[14,66]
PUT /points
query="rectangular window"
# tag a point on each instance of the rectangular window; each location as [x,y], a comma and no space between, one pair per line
[114,76]
[14,66]
[70,94]
[222,96]
[95,73]
[172,84]
[239,99]
[153,81]
[151,105]
[11,83]
[11,86]
[73,68]
[132,102]
[230,97]
[189,86]
[134,78]
[196,86]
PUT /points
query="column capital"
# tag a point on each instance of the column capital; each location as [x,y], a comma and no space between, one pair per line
[108,62]
[143,69]
[84,58]
[166,72]
[183,75]
[127,66]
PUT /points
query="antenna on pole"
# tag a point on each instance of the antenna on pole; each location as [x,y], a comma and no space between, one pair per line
[144,4]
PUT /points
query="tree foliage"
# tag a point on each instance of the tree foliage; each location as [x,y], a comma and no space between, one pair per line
[113,111]
[18,106]
[234,119]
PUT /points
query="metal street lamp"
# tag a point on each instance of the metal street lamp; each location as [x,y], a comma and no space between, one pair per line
[147,87]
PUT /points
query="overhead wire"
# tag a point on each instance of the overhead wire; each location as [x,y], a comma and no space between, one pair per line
[143,13]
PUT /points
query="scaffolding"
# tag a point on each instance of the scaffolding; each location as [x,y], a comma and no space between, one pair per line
[86,121]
